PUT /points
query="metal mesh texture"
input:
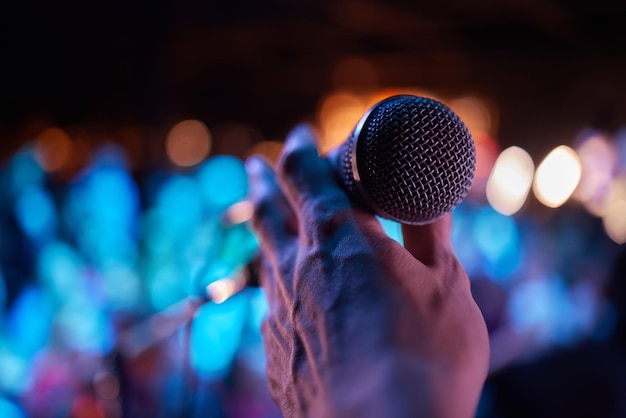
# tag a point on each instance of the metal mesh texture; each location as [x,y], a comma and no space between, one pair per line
[415,157]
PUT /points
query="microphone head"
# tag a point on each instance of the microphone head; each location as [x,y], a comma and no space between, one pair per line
[410,159]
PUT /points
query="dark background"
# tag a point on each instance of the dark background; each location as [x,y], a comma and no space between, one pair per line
[552,67]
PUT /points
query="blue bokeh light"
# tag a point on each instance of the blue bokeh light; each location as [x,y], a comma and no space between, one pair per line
[216,333]
[179,206]
[463,241]
[29,321]
[543,306]
[59,269]
[224,181]
[85,326]
[498,239]
[3,295]
[24,170]
[10,410]
[392,229]
[36,214]
[102,210]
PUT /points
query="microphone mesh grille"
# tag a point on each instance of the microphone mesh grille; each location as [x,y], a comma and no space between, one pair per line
[416,159]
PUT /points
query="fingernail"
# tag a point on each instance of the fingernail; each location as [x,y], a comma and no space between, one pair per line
[301,133]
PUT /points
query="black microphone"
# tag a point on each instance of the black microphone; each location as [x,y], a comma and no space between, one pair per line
[409,159]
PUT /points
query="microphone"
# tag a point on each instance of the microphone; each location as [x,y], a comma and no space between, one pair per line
[409,159]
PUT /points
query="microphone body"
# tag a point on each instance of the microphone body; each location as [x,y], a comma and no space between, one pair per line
[409,159]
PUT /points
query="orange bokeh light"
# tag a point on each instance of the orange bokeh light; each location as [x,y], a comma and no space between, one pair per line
[53,149]
[188,143]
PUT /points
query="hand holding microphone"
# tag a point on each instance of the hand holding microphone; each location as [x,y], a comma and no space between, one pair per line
[409,159]
[359,325]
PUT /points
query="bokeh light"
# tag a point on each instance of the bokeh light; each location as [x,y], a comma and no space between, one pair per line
[10,410]
[598,159]
[620,147]
[29,321]
[557,176]
[498,240]
[240,212]
[188,143]
[223,180]
[106,385]
[216,333]
[24,170]
[3,292]
[36,213]
[53,148]
[475,114]
[510,180]
[487,151]
[222,289]
[338,115]
[614,217]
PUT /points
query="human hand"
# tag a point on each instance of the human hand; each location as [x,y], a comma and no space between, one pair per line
[359,325]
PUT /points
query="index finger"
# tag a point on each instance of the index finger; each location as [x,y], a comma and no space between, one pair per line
[308,179]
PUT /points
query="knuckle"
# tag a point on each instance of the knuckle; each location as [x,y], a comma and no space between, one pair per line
[327,218]
[263,208]
[291,161]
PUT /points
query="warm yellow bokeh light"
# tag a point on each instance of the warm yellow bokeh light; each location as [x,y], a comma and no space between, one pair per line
[387,92]
[222,289]
[240,212]
[614,222]
[53,149]
[510,180]
[338,115]
[188,143]
[557,176]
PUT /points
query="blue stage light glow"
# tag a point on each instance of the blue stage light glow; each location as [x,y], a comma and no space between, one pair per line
[216,334]
[239,246]
[179,206]
[24,170]
[463,242]
[213,271]
[543,307]
[165,284]
[392,229]
[29,321]
[15,376]
[85,326]
[252,348]
[224,181]
[258,307]
[10,410]
[103,210]
[498,239]
[59,269]
[122,285]
[36,213]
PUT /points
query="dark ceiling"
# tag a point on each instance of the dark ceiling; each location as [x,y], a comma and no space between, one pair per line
[552,67]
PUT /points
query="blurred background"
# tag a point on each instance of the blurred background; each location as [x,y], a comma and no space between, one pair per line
[124,243]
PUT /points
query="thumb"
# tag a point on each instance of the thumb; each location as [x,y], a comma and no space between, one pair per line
[428,243]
